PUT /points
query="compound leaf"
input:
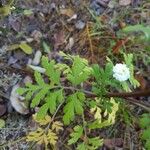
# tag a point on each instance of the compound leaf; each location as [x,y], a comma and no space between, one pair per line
[78,131]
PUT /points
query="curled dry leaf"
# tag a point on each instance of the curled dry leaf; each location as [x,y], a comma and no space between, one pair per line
[17,101]
[72,18]
[124,2]
[37,68]
[67,11]
[37,58]
[36,35]
[71,43]
[59,39]
[27,79]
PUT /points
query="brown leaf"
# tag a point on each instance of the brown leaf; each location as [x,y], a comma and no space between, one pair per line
[118,45]
[141,80]
[59,39]
[112,143]
[67,11]
[124,2]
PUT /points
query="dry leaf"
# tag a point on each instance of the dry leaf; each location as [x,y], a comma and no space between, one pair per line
[68,12]
[71,43]
[124,2]
[37,58]
[59,39]
[119,44]
[17,101]
[112,143]
[26,48]
[37,68]
[142,81]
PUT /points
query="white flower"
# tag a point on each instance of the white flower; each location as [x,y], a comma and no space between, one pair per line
[121,72]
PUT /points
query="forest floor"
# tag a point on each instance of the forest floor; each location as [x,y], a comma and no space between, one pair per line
[85,27]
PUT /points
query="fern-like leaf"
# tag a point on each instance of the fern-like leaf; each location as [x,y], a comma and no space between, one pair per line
[74,106]
[78,131]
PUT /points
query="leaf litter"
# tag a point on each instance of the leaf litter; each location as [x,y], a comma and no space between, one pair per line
[62,26]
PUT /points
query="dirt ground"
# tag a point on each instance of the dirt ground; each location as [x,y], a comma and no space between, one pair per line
[84,27]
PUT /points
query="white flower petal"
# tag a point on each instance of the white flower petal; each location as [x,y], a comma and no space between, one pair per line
[121,72]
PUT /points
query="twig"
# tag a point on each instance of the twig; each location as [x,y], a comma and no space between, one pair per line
[53,116]
[125,95]
[12,143]
[139,103]
[90,41]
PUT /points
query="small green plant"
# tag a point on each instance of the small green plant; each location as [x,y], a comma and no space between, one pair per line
[139,28]
[66,90]
[145,125]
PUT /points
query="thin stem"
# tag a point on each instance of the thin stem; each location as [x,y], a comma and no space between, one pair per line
[125,95]
[109,94]
[48,126]
[84,127]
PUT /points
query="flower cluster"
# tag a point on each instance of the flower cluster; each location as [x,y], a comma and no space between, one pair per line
[121,72]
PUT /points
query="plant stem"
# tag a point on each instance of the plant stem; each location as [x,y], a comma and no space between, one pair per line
[84,127]
[125,95]
[46,130]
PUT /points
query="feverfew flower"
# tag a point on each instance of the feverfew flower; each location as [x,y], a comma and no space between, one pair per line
[121,72]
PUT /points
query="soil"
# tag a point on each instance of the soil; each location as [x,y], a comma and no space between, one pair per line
[71,27]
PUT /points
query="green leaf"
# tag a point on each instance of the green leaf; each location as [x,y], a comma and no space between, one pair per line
[26,48]
[69,112]
[81,146]
[27,12]
[51,72]
[95,143]
[74,106]
[78,131]
[138,28]
[52,100]
[2,123]
[46,47]
[147,145]
[39,79]
[145,121]
[21,91]
[146,134]
[80,71]
[129,62]
[39,96]
[42,111]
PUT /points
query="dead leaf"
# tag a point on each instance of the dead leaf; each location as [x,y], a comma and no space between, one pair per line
[67,11]
[15,24]
[13,47]
[59,39]
[37,58]
[112,143]
[124,2]
[36,35]
[37,68]
[141,80]
[70,44]
[17,101]
[118,45]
